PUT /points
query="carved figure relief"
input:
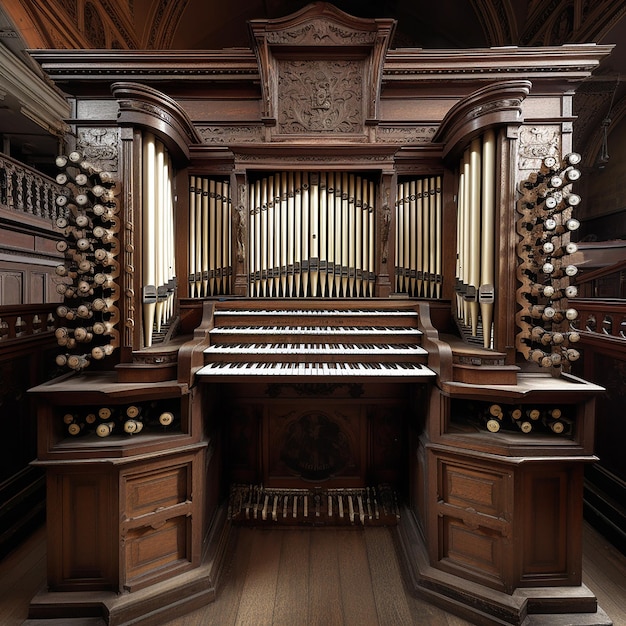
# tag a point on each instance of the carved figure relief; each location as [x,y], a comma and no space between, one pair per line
[536,143]
[315,446]
[320,96]
[100,146]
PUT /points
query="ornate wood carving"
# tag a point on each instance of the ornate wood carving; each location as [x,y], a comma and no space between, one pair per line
[310,93]
[535,144]
[320,96]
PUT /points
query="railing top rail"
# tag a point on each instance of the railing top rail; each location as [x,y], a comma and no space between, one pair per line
[601,272]
[5,158]
[26,309]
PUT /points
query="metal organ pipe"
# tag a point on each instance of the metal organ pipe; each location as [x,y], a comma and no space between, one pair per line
[158,237]
[209,237]
[475,267]
[311,235]
[418,237]
[149,236]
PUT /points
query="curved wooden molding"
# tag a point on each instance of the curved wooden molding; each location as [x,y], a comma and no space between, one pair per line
[500,103]
[143,106]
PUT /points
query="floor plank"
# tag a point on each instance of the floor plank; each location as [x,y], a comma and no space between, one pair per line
[388,586]
[259,590]
[325,606]
[604,572]
[357,595]
[22,575]
[292,588]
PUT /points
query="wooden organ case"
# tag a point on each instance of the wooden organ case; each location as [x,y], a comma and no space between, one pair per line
[322,306]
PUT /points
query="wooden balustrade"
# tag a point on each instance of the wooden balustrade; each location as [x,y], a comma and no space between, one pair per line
[601,307]
[26,190]
[601,319]
[20,321]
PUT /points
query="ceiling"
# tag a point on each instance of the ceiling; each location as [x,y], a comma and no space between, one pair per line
[212,24]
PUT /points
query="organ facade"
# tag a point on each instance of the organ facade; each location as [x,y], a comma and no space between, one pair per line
[315,289]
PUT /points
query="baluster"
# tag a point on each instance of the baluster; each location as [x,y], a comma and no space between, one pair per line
[19,187]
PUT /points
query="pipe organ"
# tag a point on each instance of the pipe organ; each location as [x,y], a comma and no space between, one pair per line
[351,219]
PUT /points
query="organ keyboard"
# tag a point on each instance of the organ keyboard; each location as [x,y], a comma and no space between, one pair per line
[315,343]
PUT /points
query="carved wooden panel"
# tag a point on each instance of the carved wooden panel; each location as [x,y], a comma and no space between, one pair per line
[320,96]
[315,442]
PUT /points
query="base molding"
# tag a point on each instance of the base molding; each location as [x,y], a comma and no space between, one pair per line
[151,606]
[533,606]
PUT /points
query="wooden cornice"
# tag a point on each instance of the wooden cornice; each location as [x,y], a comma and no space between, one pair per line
[563,65]
[568,64]
[184,66]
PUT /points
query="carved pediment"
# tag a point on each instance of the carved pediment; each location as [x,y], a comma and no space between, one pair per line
[320,71]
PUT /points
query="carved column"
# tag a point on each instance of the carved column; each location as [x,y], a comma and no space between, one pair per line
[239,243]
[385,238]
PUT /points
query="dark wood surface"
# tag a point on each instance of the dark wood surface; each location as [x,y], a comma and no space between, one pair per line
[325,576]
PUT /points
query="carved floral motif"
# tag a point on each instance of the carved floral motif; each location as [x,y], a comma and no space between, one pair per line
[231,134]
[320,96]
[321,33]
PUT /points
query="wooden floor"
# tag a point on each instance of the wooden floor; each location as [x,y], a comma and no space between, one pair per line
[322,577]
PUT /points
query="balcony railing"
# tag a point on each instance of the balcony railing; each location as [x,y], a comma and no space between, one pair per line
[21,321]
[25,190]
[602,306]
[603,318]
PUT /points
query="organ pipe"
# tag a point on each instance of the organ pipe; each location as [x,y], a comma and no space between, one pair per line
[311,235]
[475,267]
[159,270]
[210,230]
[418,237]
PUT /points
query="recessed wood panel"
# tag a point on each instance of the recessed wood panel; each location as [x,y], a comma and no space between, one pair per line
[475,549]
[38,287]
[149,492]
[11,287]
[547,523]
[465,487]
[150,550]
[88,546]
